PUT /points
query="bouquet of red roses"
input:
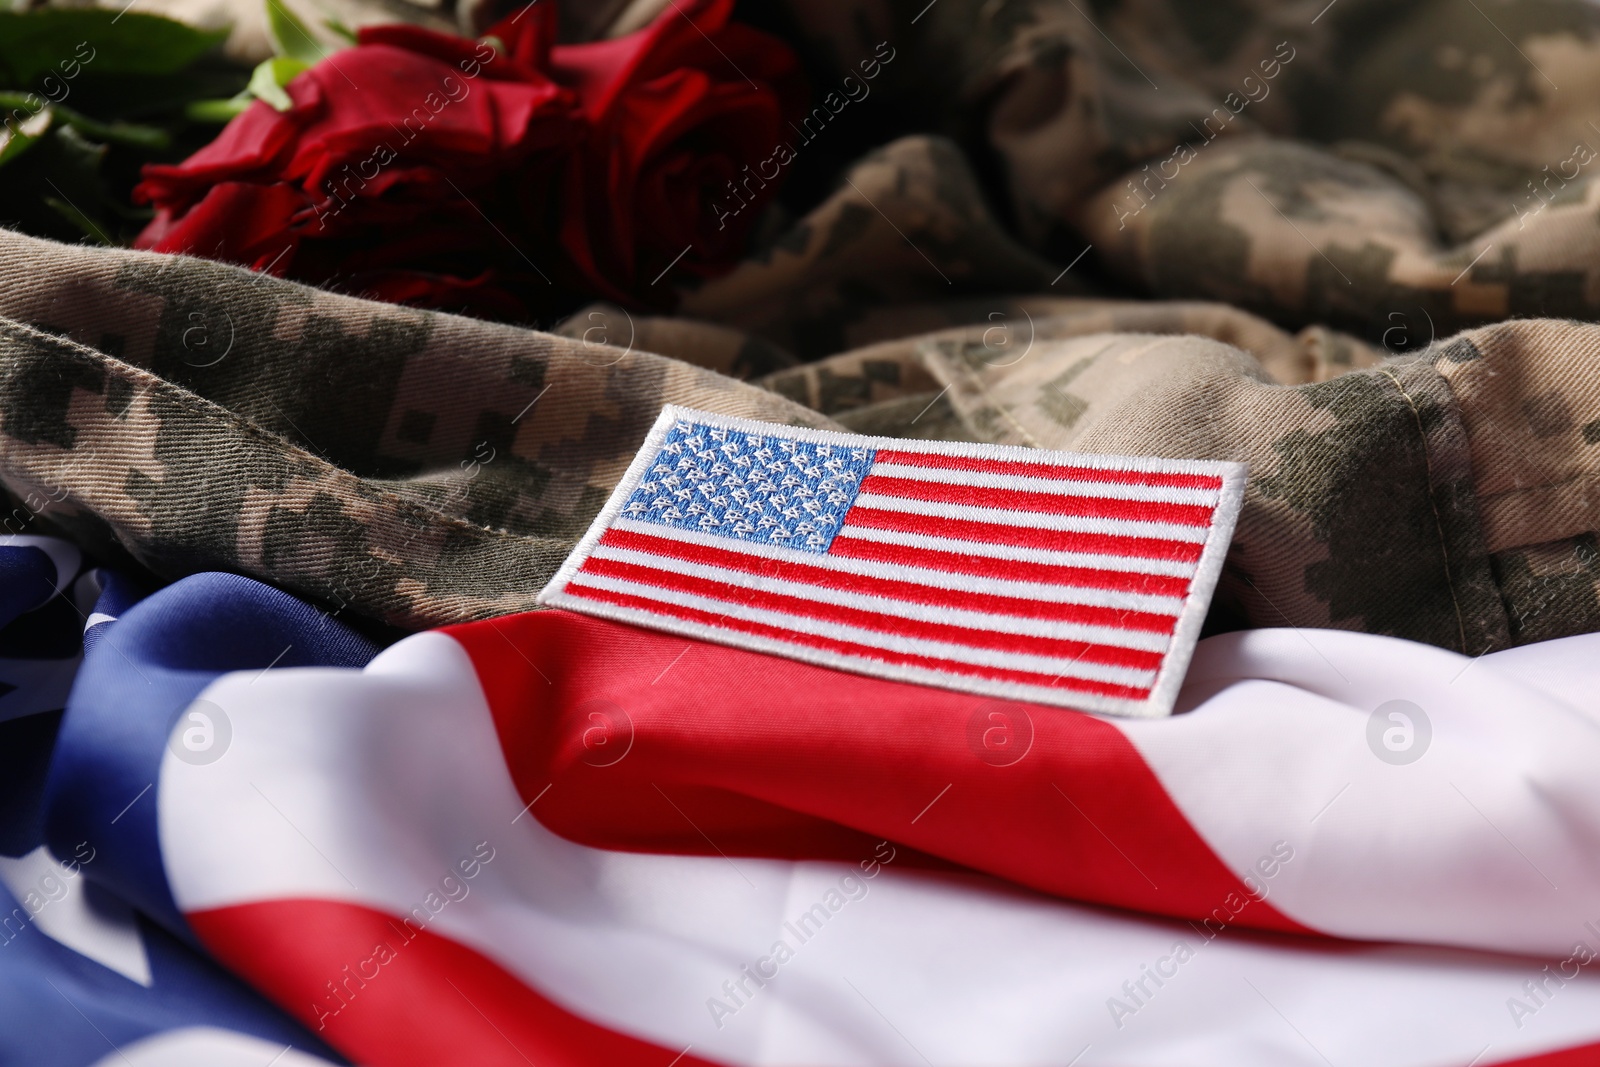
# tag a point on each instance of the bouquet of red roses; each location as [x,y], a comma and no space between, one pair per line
[508,177]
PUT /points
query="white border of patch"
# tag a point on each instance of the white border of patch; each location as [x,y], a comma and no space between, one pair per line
[1164,692]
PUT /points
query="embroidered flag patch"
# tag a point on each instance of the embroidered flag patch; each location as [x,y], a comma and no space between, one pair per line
[1076,580]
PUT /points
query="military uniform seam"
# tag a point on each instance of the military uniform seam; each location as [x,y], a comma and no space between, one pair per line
[977,383]
[1438,520]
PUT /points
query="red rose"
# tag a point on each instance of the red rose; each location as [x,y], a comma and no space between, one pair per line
[504,177]
[414,167]
[682,115]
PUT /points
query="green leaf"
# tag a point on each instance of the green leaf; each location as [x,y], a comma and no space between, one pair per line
[218,111]
[291,38]
[127,134]
[123,133]
[83,222]
[16,137]
[24,103]
[343,31]
[269,78]
[72,174]
[83,157]
[63,43]
[13,145]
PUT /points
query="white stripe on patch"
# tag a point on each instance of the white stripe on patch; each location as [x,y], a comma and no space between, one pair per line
[1087,560]
[1105,636]
[1057,486]
[1034,520]
[1073,595]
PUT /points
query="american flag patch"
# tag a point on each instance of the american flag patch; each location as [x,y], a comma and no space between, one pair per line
[1076,580]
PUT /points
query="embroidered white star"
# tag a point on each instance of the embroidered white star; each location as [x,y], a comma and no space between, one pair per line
[750,487]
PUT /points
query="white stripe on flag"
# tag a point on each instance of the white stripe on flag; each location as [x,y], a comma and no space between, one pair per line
[1057,486]
[1488,839]
[206,1046]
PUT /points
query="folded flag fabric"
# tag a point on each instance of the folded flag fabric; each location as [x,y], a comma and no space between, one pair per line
[391,848]
[42,615]
[1066,579]
[84,978]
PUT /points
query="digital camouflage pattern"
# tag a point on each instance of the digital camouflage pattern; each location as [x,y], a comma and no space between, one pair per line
[1374,497]
[423,469]
[1315,163]
[416,468]
[1345,243]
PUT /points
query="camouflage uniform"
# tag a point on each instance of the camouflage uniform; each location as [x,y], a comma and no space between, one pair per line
[423,469]
[1447,497]
[1338,164]
[1238,229]
[418,468]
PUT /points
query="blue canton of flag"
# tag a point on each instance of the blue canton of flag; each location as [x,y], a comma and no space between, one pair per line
[754,487]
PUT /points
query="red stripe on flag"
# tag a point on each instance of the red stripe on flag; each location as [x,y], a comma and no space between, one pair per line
[1081,685]
[1049,470]
[766,567]
[758,749]
[1022,536]
[1577,1056]
[895,625]
[1045,503]
[1016,570]
[426,1000]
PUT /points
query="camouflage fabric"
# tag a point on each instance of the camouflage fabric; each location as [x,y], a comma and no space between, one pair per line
[1240,229]
[1348,164]
[423,469]
[908,224]
[1448,497]
[720,348]
[416,468]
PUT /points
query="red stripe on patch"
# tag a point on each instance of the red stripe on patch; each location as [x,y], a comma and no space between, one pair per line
[897,589]
[1080,685]
[995,533]
[1100,507]
[1016,570]
[878,622]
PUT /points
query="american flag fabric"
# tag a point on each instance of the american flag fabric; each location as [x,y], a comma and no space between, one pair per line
[257,839]
[86,978]
[1076,580]
[560,840]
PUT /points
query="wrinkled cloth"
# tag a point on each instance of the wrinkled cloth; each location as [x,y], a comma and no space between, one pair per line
[1369,165]
[421,469]
[401,851]
[417,468]
[1325,240]
[1358,165]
